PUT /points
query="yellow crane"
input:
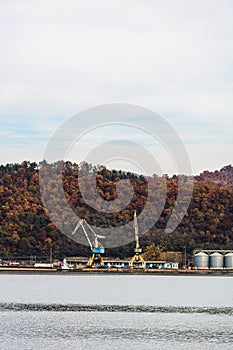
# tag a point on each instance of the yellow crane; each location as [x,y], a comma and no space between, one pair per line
[137,260]
[96,247]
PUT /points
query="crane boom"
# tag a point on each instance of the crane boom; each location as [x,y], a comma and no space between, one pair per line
[81,224]
[76,227]
[96,243]
[95,235]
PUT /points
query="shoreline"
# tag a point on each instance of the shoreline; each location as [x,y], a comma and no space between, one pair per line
[99,271]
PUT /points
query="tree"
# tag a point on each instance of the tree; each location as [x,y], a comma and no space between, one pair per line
[152,252]
[25,245]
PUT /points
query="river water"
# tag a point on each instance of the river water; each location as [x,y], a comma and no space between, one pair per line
[115,312]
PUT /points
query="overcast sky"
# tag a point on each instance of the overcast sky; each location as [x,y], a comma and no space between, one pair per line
[61,57]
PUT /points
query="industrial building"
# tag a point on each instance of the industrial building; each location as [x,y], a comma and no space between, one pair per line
[77,262]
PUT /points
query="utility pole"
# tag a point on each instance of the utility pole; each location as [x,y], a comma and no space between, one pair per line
[51,253]
[185,256]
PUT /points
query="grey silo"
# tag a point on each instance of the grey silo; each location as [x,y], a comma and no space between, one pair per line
[228,261]
[216,261]
[201,261]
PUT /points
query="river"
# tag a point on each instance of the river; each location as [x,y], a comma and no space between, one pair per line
[115,312]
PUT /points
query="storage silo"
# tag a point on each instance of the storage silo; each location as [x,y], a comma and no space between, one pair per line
[228,261]
[216,261]
[201,261]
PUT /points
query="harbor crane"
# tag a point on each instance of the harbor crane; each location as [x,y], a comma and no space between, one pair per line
[96,247]
[137,260]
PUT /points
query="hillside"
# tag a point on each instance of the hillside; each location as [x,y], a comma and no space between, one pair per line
[25,228]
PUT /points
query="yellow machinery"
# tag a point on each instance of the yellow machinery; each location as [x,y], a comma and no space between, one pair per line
[97,249]
[137,260]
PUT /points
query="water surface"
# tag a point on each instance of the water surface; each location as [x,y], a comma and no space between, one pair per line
[116,312]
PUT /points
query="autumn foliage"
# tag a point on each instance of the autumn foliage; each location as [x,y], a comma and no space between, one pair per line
[25,228]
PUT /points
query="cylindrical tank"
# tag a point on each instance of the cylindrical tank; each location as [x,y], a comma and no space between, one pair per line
[228,261]
[201,261]
[216,261]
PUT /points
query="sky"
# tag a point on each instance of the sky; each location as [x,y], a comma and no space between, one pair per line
[173,57]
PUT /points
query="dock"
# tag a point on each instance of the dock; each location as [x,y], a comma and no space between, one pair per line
[106,271]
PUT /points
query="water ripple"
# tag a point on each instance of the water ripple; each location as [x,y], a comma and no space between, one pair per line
[115,308]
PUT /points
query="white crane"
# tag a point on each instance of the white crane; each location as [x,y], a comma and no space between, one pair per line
[96,247]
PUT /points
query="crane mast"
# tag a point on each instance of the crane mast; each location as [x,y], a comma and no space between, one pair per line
[137,260]
[136,232]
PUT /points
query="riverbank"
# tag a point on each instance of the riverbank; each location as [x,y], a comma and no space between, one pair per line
[85,271]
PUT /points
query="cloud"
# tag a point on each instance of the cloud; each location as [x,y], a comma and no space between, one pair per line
[172,56]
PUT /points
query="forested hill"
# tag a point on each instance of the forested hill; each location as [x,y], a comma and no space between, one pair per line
[219,178]
[25,229]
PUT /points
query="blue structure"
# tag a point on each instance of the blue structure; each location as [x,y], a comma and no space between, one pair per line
[123,264]
[99,250]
